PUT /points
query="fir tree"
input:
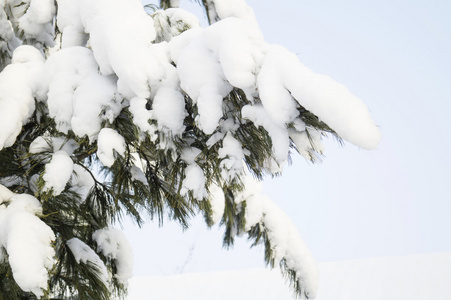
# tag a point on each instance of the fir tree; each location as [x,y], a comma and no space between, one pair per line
[109,109]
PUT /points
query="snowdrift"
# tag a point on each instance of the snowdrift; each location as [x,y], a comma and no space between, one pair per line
[394,278]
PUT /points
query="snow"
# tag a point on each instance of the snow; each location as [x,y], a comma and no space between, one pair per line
[81,182]
[283,235]
[26,239]
[279,136]
[172,22]
[136,67]
[238,46]
[234,8]
[52,144]
[35,19]
[308,141]
[78,98]
[330,101]
[114,245]
[217,202]
[18,83]
[70,24]
[194,180]
[138,175]
[202,78]
[232,155]
[7,39]
[109,142]
[58,172]
[84,254]
[142,116]
[393,278]
[169,110]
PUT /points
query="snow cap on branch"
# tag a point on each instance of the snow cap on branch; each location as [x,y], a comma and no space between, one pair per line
[113,244]
[19,82]
[27,240]
[110,141]
[287,246]
[84,254]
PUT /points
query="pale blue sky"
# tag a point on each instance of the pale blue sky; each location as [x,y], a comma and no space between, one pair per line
[396,200]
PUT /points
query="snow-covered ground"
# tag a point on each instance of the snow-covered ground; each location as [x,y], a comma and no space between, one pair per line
[394,278]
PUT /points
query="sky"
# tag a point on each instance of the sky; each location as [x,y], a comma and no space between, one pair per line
[393,201]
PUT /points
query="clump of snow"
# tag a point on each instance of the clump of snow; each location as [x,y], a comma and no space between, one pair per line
[34,19]
[169,110]
[202,78]
[58,172]
[18,84]
[79,98]
[330,101]
[136,66]
[239,46]
[84,254]
[194,180]
[142,116]
[232,155]
[210,62]
[26,239]
[70,25]
[109,141]
[113,244]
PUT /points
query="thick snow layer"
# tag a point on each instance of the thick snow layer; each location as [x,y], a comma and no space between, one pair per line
[394,278]
[282,75]
[78,98]
[69,23]
[202,78]
[135,65]
[26,239]
[113,244]
[18,83]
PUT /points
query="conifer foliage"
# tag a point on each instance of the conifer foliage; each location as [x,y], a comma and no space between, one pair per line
[109,109]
